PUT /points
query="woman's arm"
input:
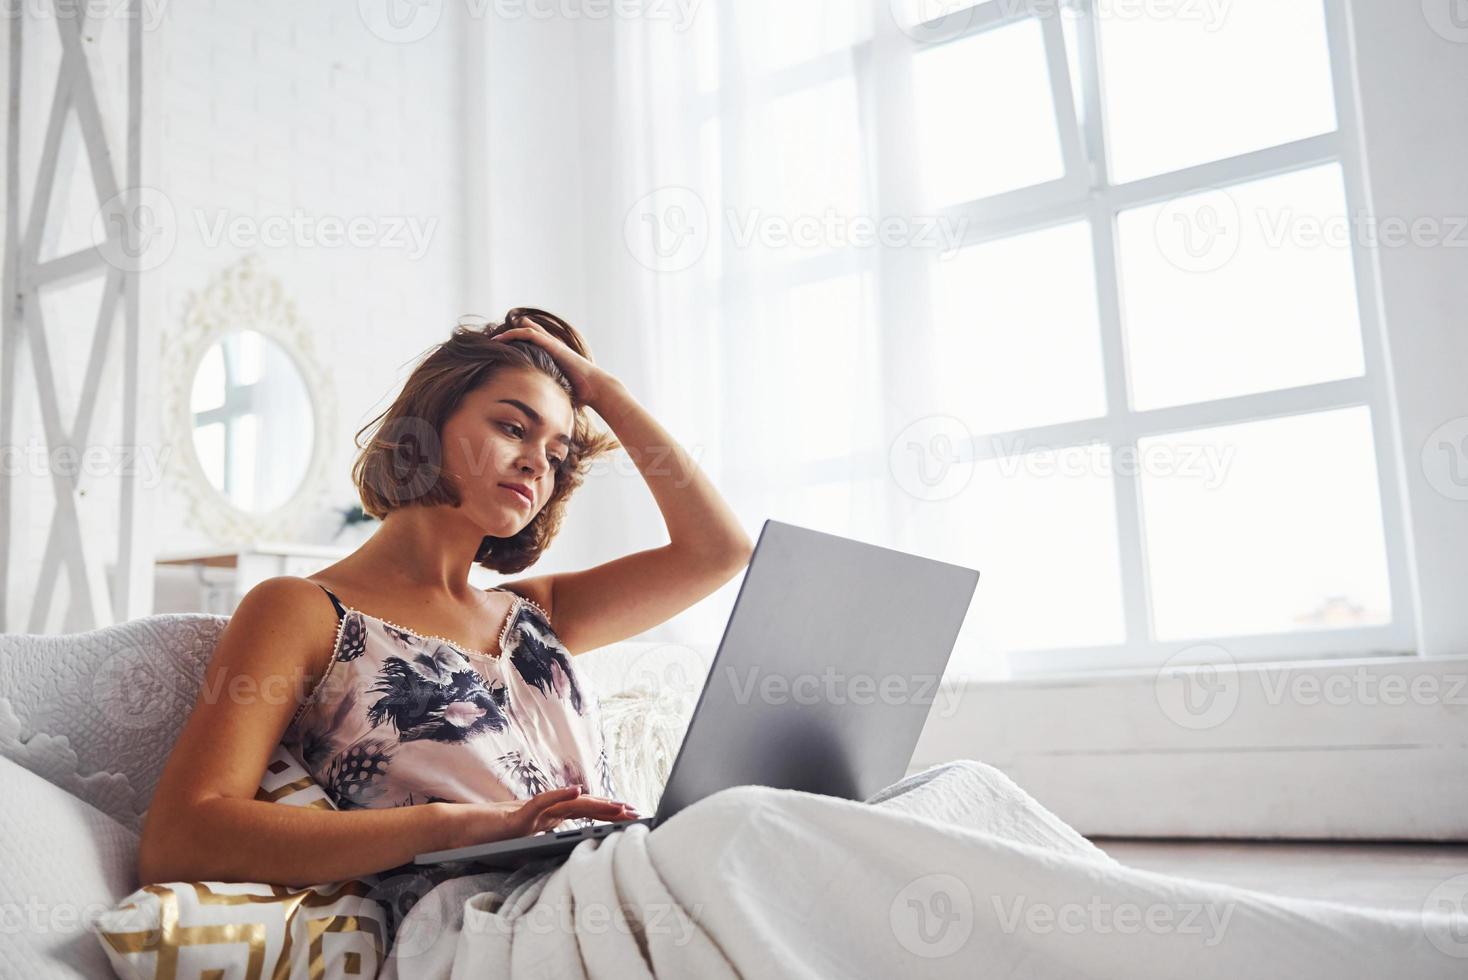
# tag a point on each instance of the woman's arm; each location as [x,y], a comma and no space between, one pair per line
[698,519]
[229,839]
[630,595]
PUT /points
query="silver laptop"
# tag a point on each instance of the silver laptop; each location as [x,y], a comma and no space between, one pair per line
[822,682]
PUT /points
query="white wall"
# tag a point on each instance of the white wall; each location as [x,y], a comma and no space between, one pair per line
[273,106]
[1414,96]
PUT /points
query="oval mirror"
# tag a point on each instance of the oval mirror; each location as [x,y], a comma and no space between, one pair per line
[253,420]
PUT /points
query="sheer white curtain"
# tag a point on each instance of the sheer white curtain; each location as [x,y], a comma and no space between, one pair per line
[751,180]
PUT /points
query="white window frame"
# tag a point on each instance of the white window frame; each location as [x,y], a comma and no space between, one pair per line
[1085,192]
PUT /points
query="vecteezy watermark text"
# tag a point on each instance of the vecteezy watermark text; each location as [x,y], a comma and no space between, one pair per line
[1098,917]
[836,686]
[302,229]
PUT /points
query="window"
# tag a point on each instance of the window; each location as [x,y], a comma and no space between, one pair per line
[1152,356]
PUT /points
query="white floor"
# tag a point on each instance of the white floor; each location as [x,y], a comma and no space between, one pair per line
[1380,875]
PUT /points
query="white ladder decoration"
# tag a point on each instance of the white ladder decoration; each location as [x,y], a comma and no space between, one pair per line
[93,603]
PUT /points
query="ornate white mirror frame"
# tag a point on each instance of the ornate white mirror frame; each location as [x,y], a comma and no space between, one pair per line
[243,297]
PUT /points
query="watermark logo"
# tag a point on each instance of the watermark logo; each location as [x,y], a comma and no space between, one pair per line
[929,459]
[415,458]
[656,670]
[1203,233]
[1207,920]
[1281,227]
[1198,687]
[668,230]
[303,229]
[136,229]
[134,689]
[1362,686]
[935,457]
[933,916]
[415,915]
[400,21]
[35,917]
[94,461]
[1445,917]
[93,11]
[834,230]
[1208,463]
[642,462]
[833,686]
[666,923]
[1444,459]
[1200,233]
[933,21]
[1448,19]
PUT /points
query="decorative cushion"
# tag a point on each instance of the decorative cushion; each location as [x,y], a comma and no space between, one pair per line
[653,688]
[96,713]
[644,728]
[204,929]
[286,781]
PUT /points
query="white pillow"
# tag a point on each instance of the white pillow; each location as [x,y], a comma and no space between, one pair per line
[65,863]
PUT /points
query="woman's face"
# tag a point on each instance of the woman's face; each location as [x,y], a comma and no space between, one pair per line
[514,429]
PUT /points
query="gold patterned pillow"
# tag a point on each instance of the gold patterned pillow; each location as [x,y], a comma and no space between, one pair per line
[212,929]
[287,781]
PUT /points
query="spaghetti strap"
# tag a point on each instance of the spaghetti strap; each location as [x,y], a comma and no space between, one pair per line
[341,612]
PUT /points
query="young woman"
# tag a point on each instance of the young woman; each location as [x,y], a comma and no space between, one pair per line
[434,713]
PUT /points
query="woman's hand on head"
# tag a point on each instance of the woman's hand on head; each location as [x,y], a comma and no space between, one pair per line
[480,823]
[587,378]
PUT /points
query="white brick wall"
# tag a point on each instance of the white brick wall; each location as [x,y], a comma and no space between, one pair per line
[271,106]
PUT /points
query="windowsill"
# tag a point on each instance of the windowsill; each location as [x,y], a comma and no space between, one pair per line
[1104,677]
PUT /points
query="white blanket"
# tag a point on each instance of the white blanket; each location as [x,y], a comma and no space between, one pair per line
[953,872]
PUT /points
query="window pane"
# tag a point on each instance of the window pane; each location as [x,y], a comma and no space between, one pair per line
[245,350]
[209,383]
[985,120]
[1240,290]
[244,475]
[1019,343]
[209,444]
[1265,527]
[1201,82]
[1041,529]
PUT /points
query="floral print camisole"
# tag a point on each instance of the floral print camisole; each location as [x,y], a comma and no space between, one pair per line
[399,718]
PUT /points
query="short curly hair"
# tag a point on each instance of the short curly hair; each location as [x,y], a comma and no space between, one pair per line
[400,465]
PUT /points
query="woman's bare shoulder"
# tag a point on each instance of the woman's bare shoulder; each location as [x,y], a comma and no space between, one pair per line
[537,590]
[292,600]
